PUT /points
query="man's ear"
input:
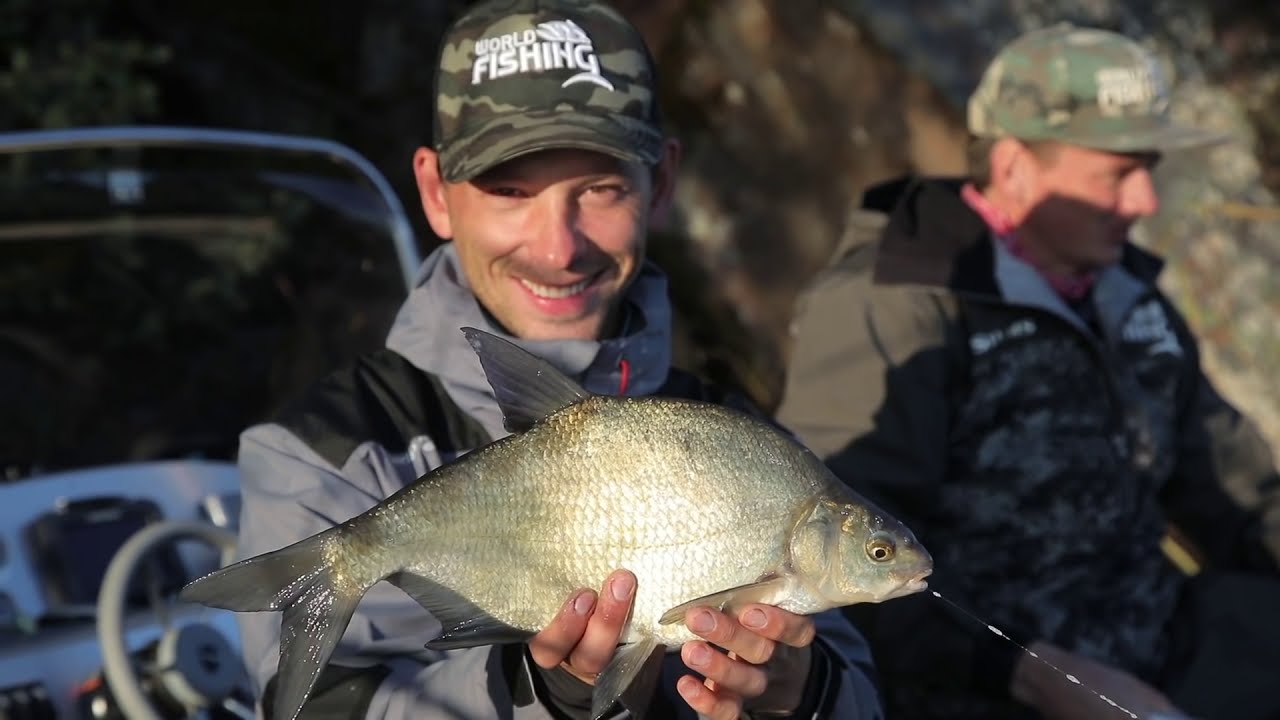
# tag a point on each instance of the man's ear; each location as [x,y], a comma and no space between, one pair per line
[426,171]
[664,182]
[1012,174]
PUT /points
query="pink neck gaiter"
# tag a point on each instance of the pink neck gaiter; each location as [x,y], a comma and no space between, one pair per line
[1071,288]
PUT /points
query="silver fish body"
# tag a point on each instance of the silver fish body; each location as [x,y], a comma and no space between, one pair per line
[692,499]
[704,504]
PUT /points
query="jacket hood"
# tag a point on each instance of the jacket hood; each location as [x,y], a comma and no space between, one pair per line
[427,332]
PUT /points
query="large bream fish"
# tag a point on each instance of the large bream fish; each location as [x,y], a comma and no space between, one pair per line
[706,505]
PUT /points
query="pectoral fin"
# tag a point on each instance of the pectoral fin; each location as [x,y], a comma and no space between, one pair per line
[631,677]
[768,591]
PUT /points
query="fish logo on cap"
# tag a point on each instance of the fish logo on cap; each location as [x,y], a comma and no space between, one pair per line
[552,45]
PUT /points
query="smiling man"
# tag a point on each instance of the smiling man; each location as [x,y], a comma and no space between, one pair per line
[547,167]
[549,242]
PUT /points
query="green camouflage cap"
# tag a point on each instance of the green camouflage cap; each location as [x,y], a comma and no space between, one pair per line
[1081,86]
[516,76]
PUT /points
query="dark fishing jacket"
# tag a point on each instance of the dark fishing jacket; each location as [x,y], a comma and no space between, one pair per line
[1041,452]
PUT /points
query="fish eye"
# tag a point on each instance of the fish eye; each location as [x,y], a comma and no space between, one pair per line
[880,548]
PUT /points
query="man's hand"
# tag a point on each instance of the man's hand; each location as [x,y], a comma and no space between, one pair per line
[584,635]
[1057,698]
[766,668]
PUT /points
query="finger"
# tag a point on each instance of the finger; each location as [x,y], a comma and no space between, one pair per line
[600,640]
[779,625]
[553,644]
[724,672]
[712,704]
[726,632]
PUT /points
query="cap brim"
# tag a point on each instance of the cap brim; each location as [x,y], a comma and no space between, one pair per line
[1167,138]
[505,138]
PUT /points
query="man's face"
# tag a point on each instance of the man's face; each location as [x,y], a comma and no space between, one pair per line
[549,241]
[1081,204]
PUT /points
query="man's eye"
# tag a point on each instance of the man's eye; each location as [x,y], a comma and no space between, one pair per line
[607,191]
[504,191]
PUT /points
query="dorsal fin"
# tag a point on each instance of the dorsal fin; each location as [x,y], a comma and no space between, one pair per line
[527,387]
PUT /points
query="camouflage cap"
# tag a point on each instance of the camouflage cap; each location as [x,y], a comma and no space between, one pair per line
[517,76]
[1081,86]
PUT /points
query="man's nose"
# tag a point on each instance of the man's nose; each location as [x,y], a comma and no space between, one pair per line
[1139,198]
[556,240]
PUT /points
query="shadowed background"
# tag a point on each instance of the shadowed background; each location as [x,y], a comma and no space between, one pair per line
[788,110]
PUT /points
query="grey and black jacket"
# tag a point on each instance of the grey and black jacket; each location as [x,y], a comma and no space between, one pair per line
[1039,451]
[370,429]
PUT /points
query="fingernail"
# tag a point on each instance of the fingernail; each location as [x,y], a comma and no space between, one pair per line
[689,687]
[702,622]
[754,618]
[699,656]
[622,587]
[582,604]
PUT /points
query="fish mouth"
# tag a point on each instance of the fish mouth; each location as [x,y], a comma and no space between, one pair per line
[902,589]
[915,584]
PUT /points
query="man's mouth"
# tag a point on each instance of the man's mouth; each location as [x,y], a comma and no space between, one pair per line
[556,292]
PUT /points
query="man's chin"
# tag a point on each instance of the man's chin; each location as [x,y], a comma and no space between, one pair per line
[1100,257]
[559,328]
[1111,256]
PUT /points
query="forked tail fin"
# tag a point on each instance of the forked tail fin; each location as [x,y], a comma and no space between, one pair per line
[299,580]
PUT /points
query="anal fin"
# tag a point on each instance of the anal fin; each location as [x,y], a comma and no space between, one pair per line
[630,678]
[768,591]
[462,623]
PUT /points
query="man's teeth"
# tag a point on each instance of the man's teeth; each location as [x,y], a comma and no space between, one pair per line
[553,292]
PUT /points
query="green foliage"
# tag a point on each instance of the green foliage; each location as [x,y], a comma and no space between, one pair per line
[61,65]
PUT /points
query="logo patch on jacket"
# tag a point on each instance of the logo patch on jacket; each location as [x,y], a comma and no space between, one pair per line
[982,342]
[1148,325]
